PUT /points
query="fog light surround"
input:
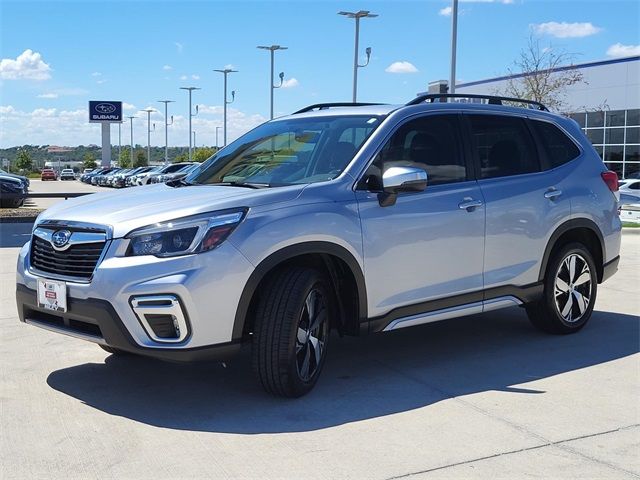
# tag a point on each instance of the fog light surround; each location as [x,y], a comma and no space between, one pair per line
[161,317]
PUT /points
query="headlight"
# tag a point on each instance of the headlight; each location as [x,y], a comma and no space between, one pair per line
[184,236]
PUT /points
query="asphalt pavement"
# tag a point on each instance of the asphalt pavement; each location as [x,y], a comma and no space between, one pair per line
[485,396]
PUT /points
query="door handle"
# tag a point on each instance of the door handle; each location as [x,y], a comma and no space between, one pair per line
[552,193]
[469,204]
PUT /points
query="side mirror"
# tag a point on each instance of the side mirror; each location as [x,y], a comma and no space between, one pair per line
[401,179]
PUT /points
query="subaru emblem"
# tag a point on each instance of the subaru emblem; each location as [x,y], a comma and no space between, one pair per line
[60,238]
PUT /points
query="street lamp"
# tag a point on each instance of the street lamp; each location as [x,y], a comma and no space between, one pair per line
[119,140]
[166,129]
[195,145]
[272,87]
[454,41]
[226,72]
[149,112]
[217,128]
[191,114]
[358,15]
[131,153]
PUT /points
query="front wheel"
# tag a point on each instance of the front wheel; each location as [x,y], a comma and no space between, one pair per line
[570,288]
[291,331]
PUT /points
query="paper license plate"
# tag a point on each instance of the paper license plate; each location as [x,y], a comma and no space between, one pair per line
[52,295]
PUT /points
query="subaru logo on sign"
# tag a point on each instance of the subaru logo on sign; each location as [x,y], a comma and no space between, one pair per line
[60,238]
[101,111]
[105,108]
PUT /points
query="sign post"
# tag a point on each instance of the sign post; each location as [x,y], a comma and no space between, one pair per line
[105,113]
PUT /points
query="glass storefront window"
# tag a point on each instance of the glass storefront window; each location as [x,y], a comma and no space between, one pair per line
[633,135]
[598,149]
[615,118]
[633,117]
[614,135]
[595,135]
[631,170]
[595,119]
[632,153]
[616,167]
[613,153]
[580,118]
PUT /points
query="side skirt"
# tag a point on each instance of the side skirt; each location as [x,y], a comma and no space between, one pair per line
[451,307]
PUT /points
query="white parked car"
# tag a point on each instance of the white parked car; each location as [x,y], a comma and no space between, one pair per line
[630,185]
[67,174]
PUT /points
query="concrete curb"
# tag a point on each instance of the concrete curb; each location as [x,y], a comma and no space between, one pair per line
[631,230]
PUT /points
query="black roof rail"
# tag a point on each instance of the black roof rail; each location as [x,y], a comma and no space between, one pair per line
[491,99]
[323,106]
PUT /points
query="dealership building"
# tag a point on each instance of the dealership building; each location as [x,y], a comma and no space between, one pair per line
[606,105]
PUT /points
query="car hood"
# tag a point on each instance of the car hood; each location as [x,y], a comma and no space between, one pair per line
[126,210]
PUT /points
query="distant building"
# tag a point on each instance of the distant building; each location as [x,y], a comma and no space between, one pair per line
[606,106]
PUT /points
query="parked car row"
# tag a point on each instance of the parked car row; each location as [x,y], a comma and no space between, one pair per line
[116,177]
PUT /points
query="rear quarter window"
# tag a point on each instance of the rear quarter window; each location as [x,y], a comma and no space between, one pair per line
[559,148]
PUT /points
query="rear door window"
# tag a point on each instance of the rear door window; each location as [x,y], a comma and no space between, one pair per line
[559,148]
[503,146]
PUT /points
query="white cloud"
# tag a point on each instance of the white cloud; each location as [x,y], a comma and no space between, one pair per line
[401,67]
[620,50]
[195,77]
[101,81]
[565,29]
[179,46]
[229,66]
[183,77]
[128,106]
[28,66]
[48,95]
[96,74]
[445,12]
[66,92]
[290,83]
[50,126]
[167,67]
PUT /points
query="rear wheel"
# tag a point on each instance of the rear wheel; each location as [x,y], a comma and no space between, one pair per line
[570,288]
[291,331]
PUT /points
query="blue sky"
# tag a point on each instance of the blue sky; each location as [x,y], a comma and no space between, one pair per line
[142,51]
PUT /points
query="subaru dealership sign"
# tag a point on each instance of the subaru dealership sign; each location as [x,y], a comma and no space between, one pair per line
[102,111]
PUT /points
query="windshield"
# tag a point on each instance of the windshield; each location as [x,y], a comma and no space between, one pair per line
[288,152]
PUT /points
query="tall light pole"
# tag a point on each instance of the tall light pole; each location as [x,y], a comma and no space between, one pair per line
[166,129]
[149,112]
[119,140]
[217,128]
[454,42]
[195,145]
[358,15]
[191,115]
[131,153]
[226,72]
[272,87]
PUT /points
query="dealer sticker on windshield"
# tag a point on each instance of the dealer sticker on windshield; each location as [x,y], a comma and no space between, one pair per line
[52,295]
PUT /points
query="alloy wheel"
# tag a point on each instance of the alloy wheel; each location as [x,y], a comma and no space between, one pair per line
[311,335]
[573,288]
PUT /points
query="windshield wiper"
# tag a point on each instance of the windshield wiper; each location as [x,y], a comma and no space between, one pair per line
[242,184]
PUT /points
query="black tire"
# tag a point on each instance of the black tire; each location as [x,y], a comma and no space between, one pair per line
[548,314]
[113,351]
[285,334]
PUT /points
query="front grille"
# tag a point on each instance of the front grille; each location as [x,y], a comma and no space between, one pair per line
[78,261]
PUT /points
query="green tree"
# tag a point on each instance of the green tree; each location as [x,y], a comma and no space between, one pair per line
[124,159]
[181,157]
[141,159]
[201,154]
[89,160]
[23,160]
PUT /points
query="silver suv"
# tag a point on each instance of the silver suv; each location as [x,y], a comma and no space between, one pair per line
[358,218]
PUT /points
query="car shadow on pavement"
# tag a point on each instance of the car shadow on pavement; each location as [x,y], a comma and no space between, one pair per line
[364,377]
[15,234]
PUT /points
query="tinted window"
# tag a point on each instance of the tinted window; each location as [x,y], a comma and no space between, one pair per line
[503,145]
[595,135]
[430,143]
[559,148]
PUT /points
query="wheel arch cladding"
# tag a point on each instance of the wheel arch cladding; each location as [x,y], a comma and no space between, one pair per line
[579,230]
[340,265]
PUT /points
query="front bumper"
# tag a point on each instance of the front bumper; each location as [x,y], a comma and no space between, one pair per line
[97,321]
[208,285]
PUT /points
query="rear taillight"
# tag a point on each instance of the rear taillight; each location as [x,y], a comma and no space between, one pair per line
[611,179]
